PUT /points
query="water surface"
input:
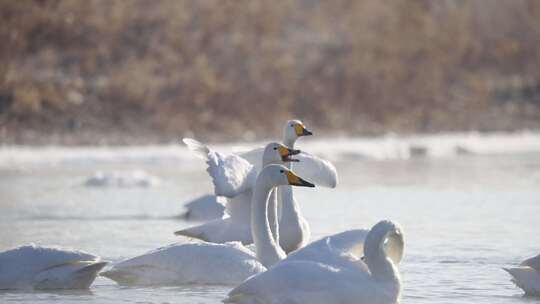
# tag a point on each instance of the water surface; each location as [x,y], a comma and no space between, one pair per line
[464,217]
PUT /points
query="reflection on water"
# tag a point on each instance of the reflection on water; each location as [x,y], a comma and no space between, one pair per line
[463,217]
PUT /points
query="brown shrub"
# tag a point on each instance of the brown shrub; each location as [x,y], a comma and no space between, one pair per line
[221,68]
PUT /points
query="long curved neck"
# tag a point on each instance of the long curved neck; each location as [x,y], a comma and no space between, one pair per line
[290,211]
[273,214]
[288,141]
[380,266]
[267,250]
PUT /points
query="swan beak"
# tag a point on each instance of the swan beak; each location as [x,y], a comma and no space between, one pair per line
[301,130]
[295,180]
[286,153]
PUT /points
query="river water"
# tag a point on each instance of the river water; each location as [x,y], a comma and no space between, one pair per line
[464,215]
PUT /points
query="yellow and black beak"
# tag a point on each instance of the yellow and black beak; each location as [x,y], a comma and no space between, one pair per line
[295,180]
[301,130]
[286,153]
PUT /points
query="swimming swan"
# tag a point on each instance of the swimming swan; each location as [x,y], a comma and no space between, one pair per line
[207,263]
[375,281]
[37,267]
[232,175]
[294,229]
[527,276]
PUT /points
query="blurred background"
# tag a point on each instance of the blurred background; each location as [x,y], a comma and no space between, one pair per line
[136,72]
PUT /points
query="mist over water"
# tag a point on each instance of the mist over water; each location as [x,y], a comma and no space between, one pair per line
[464,215]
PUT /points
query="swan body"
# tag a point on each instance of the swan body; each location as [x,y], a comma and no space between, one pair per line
[204,208]
[235,178]
[36,267]
[208,263]
[527,276]
[294,229]
[188,263]
[337,249]
[376,280]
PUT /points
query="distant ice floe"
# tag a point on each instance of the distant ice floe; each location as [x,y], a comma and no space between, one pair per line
[123,179]
[333,148]
[204,208]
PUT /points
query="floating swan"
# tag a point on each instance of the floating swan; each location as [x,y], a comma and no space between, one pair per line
[36,267]
[294,229]
[233,175]
[204,208]
[375,281]
[527,276]
[207,263]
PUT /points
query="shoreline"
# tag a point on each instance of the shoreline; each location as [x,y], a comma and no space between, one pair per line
[337,148]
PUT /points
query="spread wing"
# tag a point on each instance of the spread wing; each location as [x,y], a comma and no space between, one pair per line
[316,170]
[310,167]
[231,174]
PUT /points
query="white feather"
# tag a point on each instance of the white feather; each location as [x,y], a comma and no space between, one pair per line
[37,267]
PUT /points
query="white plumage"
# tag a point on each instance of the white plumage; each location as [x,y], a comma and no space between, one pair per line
[208,263]
[36,267]
[294,230]
[527,276]
[188,263]
[375,281]
[235,178]
[231,174]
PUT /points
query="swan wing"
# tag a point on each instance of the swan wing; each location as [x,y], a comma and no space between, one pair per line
[219,231]
[231,174]
[239,207]
[25,266]
[254,157]
[188,263]
[339,250]
[206,207]
[316,170]
[304,282]
[310,167]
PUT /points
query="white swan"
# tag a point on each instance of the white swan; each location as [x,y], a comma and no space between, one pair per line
[204,208]
[294,229]
[36,267]
[207,263]
[377,281]
[527,276]
[232,175]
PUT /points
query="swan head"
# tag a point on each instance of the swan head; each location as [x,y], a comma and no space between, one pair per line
[294,129]
[384,240]
[276,153]
[278,175]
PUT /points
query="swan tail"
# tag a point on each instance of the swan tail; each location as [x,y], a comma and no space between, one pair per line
[87,275]
[197,147]
[526,278]
[69,275]
[93,269]
[193,232]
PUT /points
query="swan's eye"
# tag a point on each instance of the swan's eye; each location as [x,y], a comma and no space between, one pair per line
[292,126]
[275,148]
[281,171]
